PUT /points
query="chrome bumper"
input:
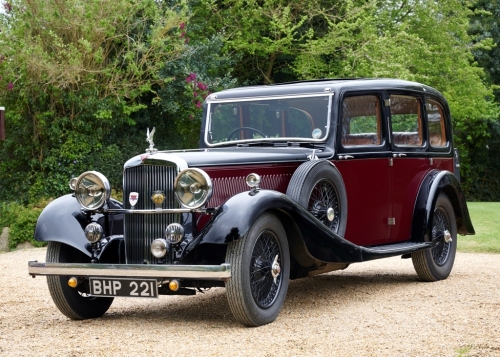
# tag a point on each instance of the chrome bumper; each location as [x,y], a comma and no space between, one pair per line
[202,272]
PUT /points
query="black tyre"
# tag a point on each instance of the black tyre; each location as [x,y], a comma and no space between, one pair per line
[75,303]
[436,263]
[318,186]
[260,267]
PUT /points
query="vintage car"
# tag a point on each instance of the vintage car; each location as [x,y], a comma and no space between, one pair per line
[289,181]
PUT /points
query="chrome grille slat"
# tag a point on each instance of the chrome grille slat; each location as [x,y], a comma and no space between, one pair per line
[140,230]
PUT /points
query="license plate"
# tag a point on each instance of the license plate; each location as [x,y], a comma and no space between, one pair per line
[140,288]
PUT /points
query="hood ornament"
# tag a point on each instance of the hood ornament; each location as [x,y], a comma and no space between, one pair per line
[149,139]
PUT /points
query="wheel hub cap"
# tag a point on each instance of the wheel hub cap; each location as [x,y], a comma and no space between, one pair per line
[330,214]
[275,269]
[447,236]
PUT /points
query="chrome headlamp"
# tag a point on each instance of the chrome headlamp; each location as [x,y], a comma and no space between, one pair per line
[92,190]
[193,188]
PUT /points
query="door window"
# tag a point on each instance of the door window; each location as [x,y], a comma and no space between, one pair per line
[361,121]
[435,118]
[406,119]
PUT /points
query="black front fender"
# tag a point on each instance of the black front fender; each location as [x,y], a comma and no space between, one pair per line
[433,184]
[233,219]
[63,221]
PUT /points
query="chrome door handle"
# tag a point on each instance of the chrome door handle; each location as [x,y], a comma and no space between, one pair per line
[398,155]
[345,157]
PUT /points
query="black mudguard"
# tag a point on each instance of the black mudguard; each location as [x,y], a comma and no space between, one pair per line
[63,221]
[233,219]
[432,185]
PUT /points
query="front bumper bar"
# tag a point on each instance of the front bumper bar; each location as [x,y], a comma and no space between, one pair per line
[199,272]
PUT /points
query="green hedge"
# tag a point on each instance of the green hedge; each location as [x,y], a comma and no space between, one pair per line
[22,221]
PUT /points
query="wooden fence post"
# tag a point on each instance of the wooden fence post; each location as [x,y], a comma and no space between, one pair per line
[2,123]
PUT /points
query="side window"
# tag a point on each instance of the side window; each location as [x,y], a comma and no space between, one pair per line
[361,121]
[435,119]
[406,119]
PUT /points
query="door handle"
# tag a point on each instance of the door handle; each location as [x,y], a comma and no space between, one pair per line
[398,155]
[345,157]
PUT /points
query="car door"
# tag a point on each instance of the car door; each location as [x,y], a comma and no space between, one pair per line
[410,161]
[362,159]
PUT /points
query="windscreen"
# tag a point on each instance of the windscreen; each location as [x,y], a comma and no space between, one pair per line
[281,119]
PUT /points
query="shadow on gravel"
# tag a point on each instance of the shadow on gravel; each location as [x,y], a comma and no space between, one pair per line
[308,293]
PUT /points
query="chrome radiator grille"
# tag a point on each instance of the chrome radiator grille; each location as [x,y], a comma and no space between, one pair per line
[141,229]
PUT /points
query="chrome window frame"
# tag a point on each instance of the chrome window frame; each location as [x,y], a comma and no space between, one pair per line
[211,100]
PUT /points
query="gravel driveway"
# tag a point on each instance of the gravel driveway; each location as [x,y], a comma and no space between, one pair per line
[377,308]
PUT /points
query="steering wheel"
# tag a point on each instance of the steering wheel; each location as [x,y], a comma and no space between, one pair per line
[245,128]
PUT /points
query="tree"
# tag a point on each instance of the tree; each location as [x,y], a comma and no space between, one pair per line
[268,35]
[72,73]
[424,41]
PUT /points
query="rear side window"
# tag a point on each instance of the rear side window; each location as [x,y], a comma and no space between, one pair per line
[435,119]
[361,121]
[406,120]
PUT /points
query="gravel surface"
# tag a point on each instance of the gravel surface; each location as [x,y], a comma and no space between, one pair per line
[376,308]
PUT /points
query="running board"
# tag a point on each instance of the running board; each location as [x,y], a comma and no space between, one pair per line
[390,250]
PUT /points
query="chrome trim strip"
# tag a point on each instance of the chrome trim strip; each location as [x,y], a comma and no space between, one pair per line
[207,272]
[152,211]
[210,99]
[246,99]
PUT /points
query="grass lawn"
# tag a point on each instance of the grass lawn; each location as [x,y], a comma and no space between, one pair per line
[486,220]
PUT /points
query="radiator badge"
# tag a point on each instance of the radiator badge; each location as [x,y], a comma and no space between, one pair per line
[158,198]
[149,139]
[132,198]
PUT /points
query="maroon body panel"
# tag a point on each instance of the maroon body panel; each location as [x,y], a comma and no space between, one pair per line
[228,181]
[407,176]
[368,189]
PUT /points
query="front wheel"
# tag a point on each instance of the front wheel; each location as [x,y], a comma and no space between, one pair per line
[260,267]
[436,263]
[75,303]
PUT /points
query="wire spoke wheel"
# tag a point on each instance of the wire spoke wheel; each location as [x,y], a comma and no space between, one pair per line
[436,263]
[441,251]
[264,282]
[324,204]
[260,267]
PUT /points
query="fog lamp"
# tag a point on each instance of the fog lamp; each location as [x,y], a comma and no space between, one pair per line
[174,233]
[159,248]
[93,232]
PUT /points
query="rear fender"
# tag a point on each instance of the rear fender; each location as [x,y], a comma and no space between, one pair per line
[433,184]
[310,240]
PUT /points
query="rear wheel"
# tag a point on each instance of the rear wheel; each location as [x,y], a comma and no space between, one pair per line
[75,303]
[436,263]
[260,264]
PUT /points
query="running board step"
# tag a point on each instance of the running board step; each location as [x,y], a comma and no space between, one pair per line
[390,250]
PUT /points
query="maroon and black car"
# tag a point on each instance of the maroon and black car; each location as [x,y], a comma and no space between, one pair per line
[289,181]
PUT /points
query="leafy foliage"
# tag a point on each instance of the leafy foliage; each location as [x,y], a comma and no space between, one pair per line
[82,80]
[77,72]
[22,221]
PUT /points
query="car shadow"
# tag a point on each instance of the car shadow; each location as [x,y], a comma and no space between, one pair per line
[212,308]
